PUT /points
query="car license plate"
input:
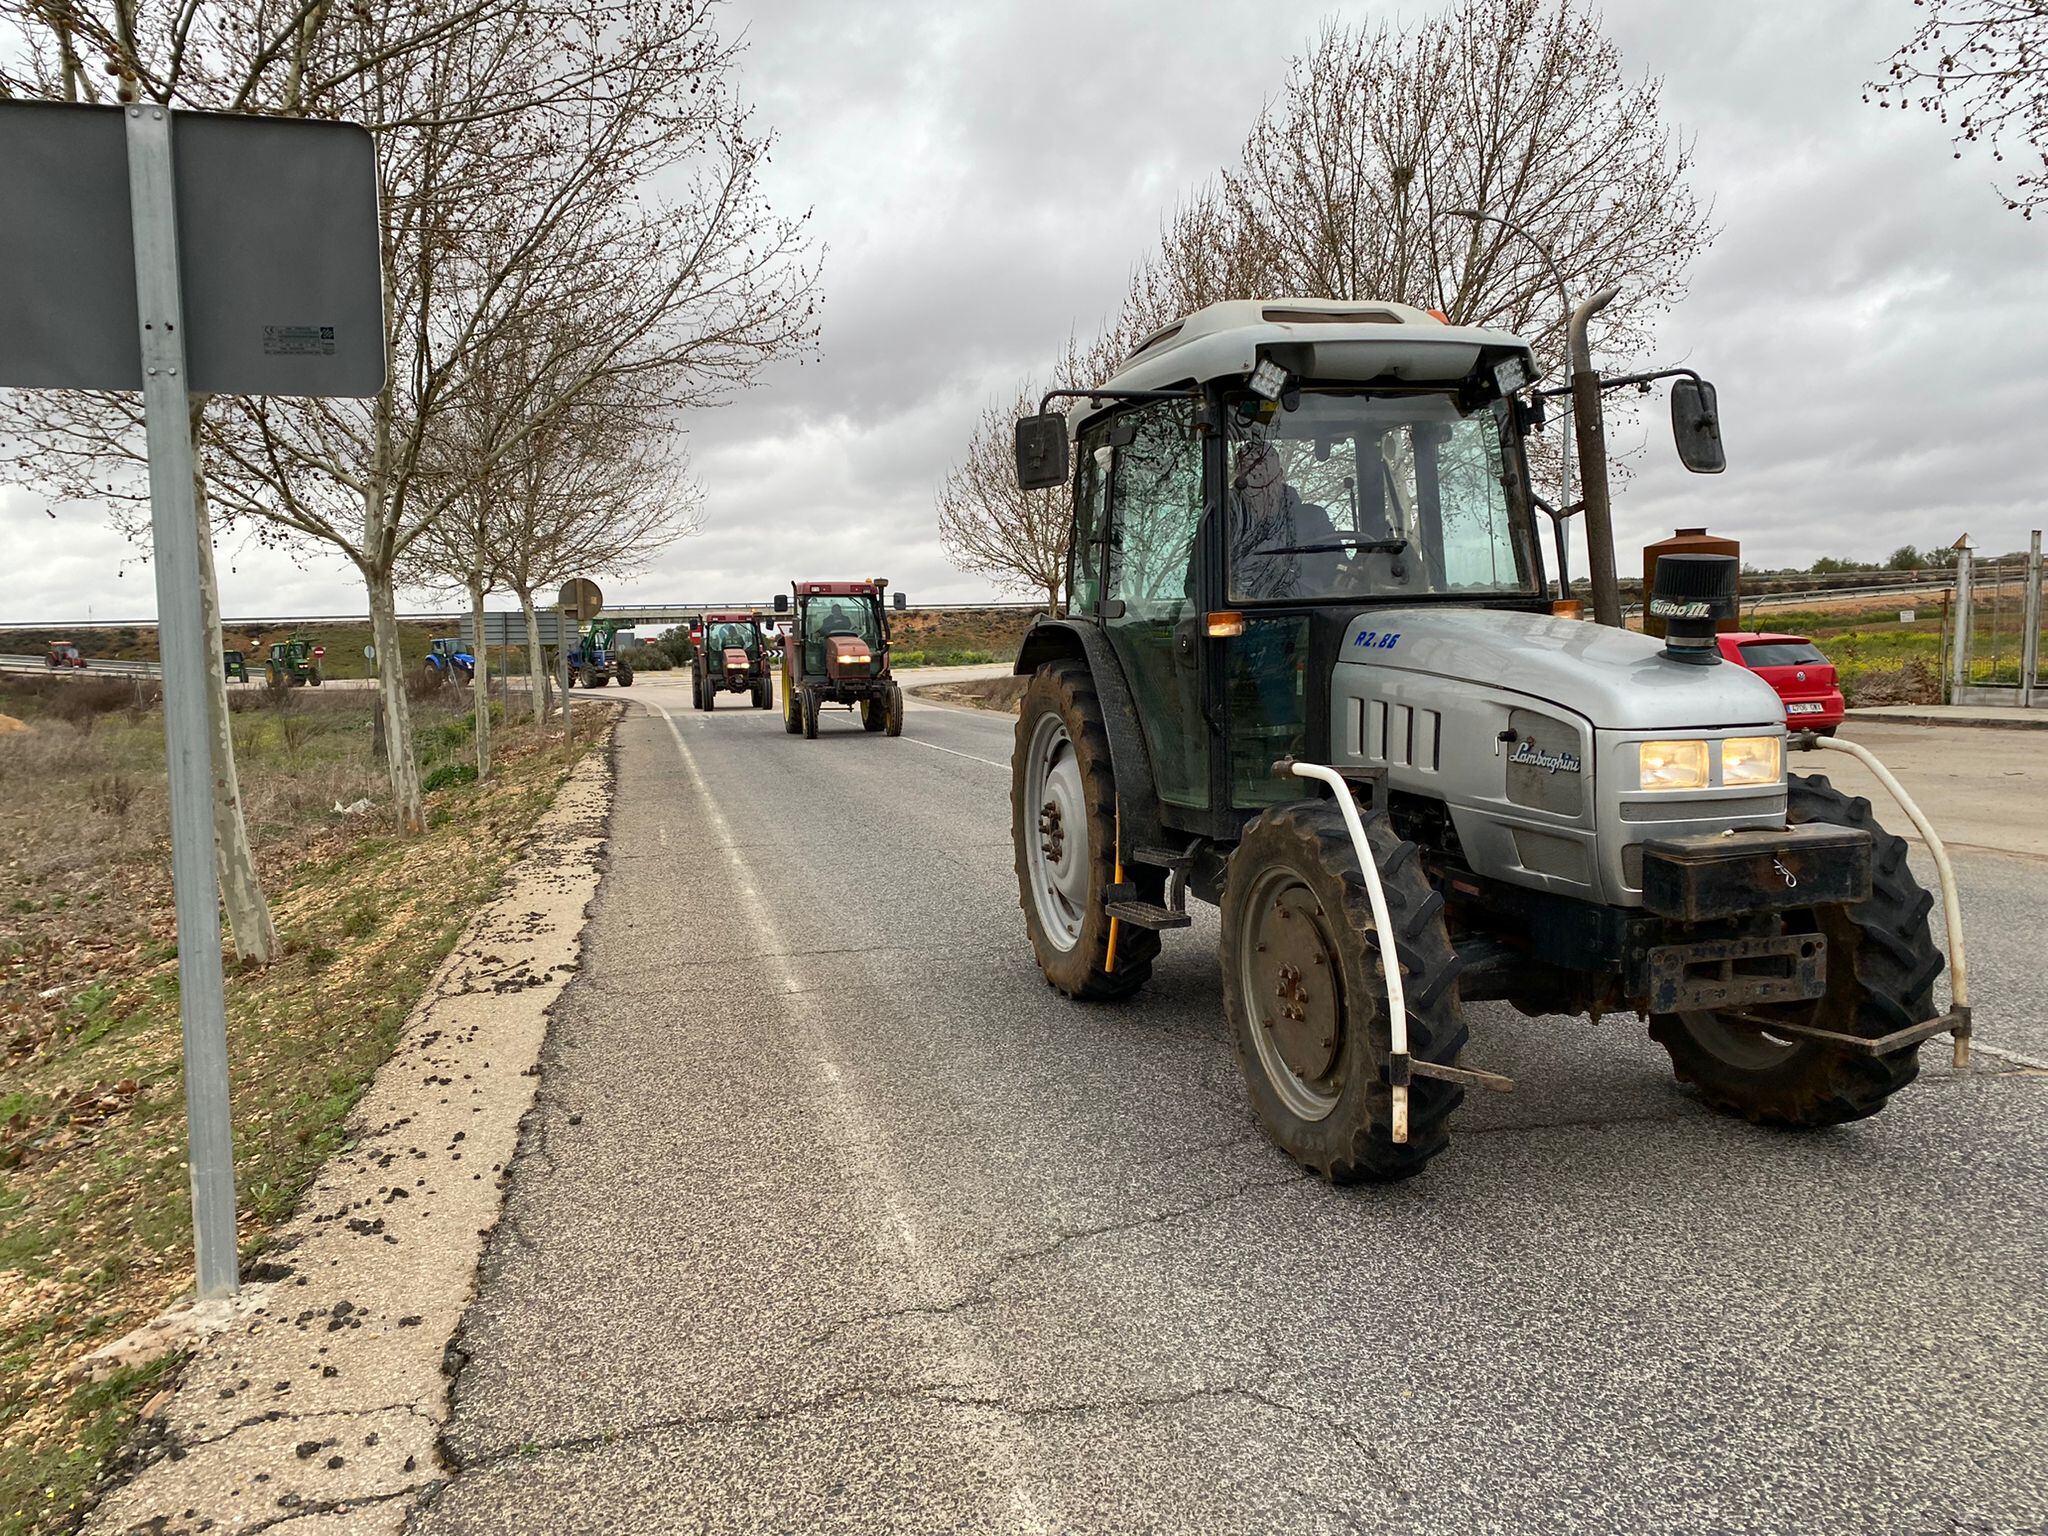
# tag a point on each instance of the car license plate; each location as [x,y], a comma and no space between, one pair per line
[1803,709]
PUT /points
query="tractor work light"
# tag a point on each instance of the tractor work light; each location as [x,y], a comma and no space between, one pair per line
[1752,760]
[1671,765]
[1268,380]
[1224,625]
[1512,373]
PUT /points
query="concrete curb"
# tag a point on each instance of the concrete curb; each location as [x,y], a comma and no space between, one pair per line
[1883,716]
[321,1403]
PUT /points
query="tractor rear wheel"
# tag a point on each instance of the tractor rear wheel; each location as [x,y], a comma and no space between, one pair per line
[1063,829]
[1882,962]
[809,704]
[1305,992]
[696,687]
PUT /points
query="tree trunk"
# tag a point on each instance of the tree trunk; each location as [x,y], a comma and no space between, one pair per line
[480,685]
[241,889]
[535,663]
[404,769]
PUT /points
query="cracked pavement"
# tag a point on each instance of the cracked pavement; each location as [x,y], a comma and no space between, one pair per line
[829,1216]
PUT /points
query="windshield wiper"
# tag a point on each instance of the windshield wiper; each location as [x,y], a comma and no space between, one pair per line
[1368,546]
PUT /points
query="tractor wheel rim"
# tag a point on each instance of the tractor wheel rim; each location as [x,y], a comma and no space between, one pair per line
[1057,833]
[1288,973]
[1746,1048]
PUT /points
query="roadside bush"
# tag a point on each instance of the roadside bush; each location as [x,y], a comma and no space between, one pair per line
[648,659]
[448,774]
[1912,683]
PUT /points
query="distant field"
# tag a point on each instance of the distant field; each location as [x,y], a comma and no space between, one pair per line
[135,642]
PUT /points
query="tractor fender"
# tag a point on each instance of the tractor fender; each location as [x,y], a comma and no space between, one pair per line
[1137,800]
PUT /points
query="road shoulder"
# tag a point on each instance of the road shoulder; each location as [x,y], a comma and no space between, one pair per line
[325,1395]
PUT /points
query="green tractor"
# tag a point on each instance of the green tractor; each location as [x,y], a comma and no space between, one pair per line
[294,663]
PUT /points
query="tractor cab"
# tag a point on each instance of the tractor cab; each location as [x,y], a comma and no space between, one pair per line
[731,651]
[837,652]
[1311,658]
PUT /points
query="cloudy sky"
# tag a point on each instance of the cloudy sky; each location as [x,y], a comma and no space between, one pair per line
[984,177]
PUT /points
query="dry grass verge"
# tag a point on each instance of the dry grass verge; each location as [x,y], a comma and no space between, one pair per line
[94,1204]
[999,694]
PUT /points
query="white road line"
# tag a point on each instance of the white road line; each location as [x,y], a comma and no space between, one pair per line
[919,1281]
[932,747]
[2014,1057]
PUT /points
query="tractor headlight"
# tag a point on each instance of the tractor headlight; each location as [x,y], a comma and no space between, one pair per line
[1752,760]
[1671,765]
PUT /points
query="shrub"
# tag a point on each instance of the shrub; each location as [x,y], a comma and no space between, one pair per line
[449,774]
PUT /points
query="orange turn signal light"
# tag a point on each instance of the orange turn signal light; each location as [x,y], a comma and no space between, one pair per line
[1564,608]
[1224,625]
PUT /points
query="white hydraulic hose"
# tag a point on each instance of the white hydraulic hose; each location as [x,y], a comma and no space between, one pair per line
[1951,906]
[1390,960]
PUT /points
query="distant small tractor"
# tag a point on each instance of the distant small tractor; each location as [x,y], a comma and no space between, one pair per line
[447,659]
[731,651]
[837,652]
[596,661]
[235,666]
[294,663]
[63,657]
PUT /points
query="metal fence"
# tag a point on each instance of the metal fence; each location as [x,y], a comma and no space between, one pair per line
[1994,643]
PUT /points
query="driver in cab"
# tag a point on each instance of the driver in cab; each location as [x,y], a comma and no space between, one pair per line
[1274,533]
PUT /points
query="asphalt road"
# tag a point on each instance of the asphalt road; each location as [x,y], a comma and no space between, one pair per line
[830,1216]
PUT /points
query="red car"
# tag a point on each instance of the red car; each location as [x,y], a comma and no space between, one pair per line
[1794,666]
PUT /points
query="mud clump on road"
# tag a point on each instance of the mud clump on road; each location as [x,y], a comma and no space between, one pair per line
[998,694]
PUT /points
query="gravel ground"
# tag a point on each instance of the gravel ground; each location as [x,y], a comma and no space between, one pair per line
[831,1217]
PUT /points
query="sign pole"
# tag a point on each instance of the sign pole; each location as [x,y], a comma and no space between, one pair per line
[562,650]
[174,532]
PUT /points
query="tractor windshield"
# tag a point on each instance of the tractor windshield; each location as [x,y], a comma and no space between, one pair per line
[742,637]
[837,616]
[1354,494]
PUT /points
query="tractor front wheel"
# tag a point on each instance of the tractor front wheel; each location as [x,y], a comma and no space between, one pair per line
[810,710]
[893,723]
[1063,830]
[874,714]
[625,674]
[1304,990]
[792,711]
[764,691]
[1882,963]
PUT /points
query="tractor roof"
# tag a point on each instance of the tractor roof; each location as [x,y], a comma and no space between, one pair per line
[838,589]
[1329,339]
[730,618]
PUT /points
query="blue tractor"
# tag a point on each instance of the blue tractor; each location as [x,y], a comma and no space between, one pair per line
[595,660]
[447,659]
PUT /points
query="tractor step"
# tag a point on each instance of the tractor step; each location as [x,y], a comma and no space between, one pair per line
[1179,861]
[1146,914]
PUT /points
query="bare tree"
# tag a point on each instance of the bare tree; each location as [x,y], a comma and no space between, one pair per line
[1981,66]
[1015,537]
[518,153]
[1519,109]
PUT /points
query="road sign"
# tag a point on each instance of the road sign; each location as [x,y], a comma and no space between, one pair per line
[580,599]
[279,236]
[281,291]
[510,628]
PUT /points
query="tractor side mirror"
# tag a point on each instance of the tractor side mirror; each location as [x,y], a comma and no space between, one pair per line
[902,602]
[1042,451]
[782,602]
[1696,427]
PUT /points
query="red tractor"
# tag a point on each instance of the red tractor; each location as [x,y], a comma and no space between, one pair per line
[63,657]
[837,652]
[731,657]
